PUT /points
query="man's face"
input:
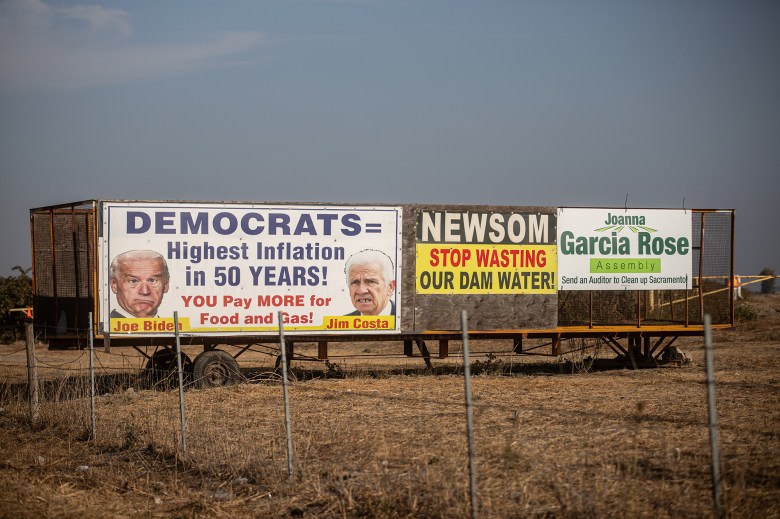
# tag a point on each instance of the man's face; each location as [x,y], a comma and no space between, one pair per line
[368,289]
[140,286]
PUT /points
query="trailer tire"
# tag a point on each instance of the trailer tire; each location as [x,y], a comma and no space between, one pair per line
[161,366]
[215,368]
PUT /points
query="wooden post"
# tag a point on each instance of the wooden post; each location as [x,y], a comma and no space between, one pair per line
[556,344]
[444,348]
[426,355]
[408,347]
[32,373]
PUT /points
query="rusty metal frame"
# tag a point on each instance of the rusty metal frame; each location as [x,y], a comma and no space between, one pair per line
[701,269]
[731,268]
[87,209]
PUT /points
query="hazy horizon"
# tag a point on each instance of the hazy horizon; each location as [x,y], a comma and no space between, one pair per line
[368,101]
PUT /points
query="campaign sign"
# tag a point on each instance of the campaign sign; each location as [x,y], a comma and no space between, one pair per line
[231,268]
[624,249]
[473,252]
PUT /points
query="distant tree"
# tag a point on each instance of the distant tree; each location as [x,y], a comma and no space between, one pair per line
[768,285]
[15,292]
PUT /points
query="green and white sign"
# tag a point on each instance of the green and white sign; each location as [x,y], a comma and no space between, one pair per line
[624,249]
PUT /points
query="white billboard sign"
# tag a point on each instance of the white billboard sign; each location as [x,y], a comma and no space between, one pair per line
[624,249]
[231,268]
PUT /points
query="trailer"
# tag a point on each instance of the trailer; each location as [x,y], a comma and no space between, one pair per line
[228,275]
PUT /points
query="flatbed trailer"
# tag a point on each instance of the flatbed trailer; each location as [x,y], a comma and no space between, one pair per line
[73,245]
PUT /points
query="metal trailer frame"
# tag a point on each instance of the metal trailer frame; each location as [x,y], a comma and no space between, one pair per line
[64,243]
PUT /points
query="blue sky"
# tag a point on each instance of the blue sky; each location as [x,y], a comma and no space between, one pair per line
[560,103]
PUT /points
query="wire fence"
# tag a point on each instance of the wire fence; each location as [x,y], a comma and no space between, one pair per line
[222,432]
[62,391]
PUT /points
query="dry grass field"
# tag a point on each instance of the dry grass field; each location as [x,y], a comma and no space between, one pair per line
[379,436]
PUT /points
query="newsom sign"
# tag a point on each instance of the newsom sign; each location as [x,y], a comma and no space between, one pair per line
[624,249]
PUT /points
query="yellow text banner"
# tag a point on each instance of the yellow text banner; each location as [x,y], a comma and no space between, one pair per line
[486,269]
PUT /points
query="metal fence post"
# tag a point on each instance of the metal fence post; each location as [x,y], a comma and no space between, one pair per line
[283,348]
[713,418]
[469,418]
[93,426]
[181,384]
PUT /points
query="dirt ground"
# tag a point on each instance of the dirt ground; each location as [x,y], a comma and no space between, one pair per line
[379,436]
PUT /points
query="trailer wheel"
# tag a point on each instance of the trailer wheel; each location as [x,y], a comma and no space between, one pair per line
[215,368]
[161,366]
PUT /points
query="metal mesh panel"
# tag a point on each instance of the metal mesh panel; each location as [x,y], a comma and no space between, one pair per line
[711,252]
[713,265]
[713,230]
[65,267]
[74,256]
[43,258]
[64,260]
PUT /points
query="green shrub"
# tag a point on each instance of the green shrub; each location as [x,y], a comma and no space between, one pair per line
[745,313]
[15,292]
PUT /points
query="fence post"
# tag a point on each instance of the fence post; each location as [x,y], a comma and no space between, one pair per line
[32,373]
[283,348]
[469,419]
[713,418]
[93,426]
[181,384]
